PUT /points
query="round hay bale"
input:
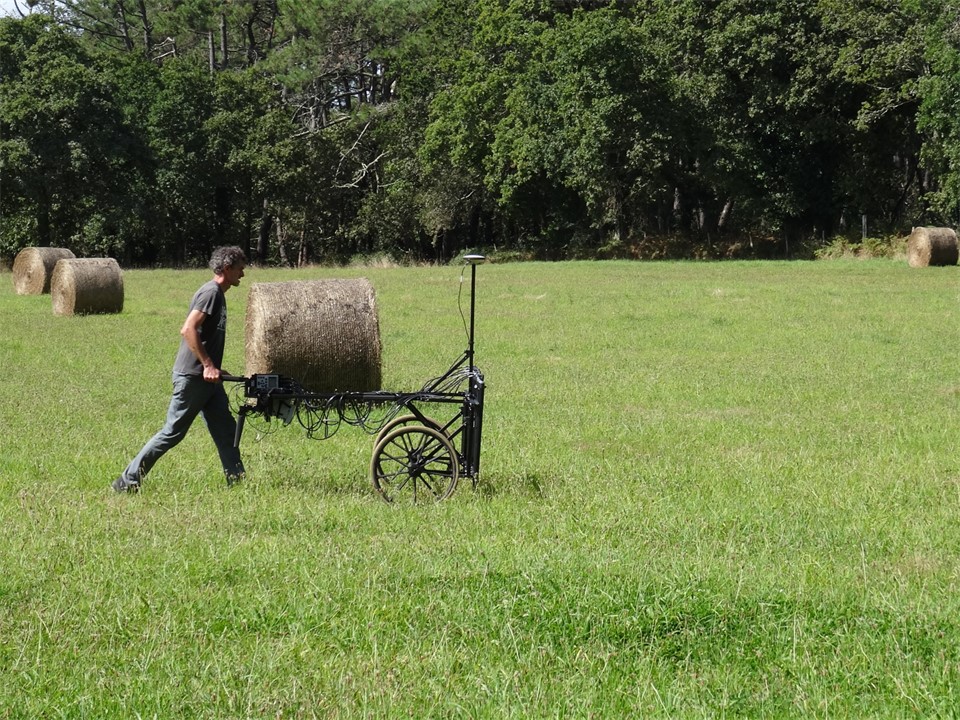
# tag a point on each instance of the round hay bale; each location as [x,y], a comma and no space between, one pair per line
[325,334]
[33,267]
[86,286]
[932,246]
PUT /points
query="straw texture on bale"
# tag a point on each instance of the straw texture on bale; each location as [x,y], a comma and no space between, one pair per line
[33,268]
[932,246]
[325,334]
[87,286]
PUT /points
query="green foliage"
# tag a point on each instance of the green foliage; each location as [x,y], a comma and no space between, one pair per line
[937,113]
[868,248]
[322,129]
[64,137]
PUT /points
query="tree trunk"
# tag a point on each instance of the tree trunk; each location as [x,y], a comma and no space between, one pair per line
[124,27]
[263,237]
[223,41]
[302,251]
[147,29]
[725,214]
[251,40]
[282,241]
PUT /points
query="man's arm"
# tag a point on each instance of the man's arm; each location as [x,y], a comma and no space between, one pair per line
[191,335]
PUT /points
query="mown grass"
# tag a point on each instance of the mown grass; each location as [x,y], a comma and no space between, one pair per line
[708,489]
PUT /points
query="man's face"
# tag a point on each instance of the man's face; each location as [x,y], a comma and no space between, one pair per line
[233,273]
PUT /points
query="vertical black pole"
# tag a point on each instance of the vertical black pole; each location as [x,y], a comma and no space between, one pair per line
[474,260]
[473,285]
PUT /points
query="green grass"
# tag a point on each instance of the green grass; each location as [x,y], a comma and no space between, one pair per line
[708,489]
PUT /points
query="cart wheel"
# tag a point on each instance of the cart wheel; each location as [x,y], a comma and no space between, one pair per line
[414,462]
[408,419]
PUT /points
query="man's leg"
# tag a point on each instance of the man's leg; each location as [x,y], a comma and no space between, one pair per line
[190,394]
[223,428]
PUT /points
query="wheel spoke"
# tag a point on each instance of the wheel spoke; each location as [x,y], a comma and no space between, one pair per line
[388,480]
[410,456]
[438,483]
[401,459]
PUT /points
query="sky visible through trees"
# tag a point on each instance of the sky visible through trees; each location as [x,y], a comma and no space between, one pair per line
[7,9]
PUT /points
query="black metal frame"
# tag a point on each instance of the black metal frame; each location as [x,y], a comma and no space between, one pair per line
[321,413]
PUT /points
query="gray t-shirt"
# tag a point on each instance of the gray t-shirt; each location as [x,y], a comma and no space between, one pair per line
[210,301]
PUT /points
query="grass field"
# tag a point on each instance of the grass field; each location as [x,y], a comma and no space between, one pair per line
[708,490]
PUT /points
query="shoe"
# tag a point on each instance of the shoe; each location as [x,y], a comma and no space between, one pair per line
[125,486]
[235,479]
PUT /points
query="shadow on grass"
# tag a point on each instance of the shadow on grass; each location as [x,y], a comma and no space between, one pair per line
[524,484]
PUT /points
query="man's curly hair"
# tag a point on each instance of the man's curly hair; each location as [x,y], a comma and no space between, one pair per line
[226,256]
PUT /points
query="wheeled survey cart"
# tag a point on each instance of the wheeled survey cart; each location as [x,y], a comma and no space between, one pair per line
[426,440]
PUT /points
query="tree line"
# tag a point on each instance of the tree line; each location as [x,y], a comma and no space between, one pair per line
[318,130]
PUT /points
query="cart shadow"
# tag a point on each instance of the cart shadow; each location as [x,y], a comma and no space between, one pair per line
[525,484]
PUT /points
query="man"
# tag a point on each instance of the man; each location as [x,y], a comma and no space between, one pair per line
[197,387]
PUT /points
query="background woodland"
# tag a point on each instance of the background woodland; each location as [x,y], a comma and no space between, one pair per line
[322,130]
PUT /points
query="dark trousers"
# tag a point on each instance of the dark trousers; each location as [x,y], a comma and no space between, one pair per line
[192,396]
